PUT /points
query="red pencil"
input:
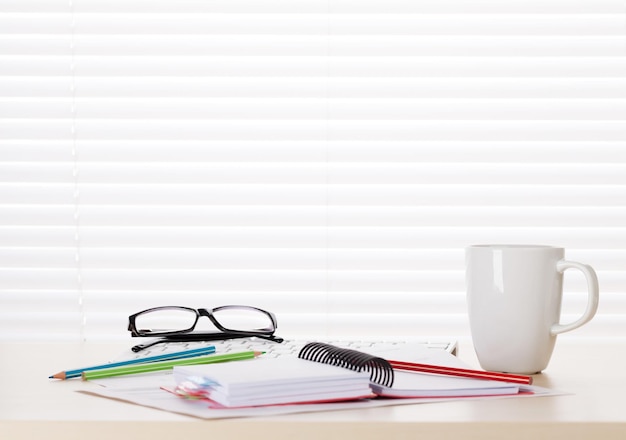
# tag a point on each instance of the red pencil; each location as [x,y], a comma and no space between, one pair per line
[462,372]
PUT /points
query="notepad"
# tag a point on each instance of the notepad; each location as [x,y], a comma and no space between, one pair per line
[271,382]
[323,376]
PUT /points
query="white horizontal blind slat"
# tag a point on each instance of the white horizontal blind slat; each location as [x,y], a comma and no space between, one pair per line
[134,87]
[314,108]
[313,45]
[325,160]
[314,6]
[312,194]
[317,66]
[55,151]
[316,24]
[315,174]
[436,237]
[304,216]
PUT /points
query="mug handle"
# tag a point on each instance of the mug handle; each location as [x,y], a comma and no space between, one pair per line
[592,291]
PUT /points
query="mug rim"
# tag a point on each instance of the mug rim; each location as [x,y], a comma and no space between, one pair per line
[514,246]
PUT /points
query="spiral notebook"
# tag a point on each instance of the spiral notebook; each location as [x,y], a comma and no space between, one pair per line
[322,373]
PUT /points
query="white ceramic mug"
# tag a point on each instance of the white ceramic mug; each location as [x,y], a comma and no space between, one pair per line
[514,301]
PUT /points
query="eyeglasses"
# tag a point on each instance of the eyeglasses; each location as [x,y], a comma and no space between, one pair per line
[176,324]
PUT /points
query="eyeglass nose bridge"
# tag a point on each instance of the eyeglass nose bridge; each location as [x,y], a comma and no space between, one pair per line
[209,314]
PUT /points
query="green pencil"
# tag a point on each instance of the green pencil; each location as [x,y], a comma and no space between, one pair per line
[166,365]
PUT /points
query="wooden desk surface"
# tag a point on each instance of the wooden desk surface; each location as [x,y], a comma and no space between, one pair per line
[32,406]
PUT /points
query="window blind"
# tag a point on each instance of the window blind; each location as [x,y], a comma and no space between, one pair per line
[325,160]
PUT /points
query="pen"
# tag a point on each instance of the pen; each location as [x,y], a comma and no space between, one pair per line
[169,364]
[68,374]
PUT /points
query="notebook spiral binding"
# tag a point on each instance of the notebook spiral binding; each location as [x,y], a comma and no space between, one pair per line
[380,370]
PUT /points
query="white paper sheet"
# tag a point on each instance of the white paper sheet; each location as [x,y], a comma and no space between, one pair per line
[146,390]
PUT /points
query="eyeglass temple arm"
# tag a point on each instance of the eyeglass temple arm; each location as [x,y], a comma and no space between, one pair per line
[203,337]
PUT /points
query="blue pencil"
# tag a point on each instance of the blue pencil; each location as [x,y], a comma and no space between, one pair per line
[161,357]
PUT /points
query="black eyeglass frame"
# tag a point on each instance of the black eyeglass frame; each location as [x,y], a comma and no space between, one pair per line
[266,332]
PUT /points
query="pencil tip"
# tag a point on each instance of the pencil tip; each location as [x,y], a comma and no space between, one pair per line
[60,375]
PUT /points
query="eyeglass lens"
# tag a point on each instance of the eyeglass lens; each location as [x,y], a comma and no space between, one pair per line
[165,320]
[243,319]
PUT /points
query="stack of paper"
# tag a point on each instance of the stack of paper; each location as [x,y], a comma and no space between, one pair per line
[263,382]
